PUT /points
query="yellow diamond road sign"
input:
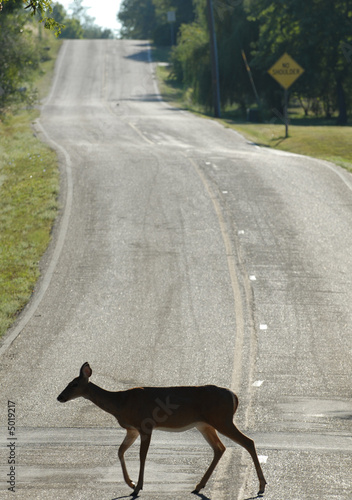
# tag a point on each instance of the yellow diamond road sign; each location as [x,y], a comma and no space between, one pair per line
[286,71]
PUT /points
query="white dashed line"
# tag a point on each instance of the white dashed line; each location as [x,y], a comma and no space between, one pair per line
[257,383]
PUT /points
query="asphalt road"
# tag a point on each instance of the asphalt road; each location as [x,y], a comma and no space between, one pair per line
[182,255]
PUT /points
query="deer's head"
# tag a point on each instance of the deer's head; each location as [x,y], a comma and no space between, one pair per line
[78,386]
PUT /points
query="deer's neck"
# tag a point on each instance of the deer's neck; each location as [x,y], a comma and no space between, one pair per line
[106,400]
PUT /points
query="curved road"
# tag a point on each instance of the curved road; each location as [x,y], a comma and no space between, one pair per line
[182,255]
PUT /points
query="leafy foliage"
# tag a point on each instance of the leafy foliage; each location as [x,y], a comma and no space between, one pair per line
[314,33]
[191,59]
[147,19]
[44,9]
[19,57]
[78,24]
[41,8]
[236,33]
[54,17]
[138,19]
[317,34]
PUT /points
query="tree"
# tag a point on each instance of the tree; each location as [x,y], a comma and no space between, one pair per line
[184,14]
[59,13]
[191,62]
[191,57]
[147,19]
[18,56]
[72,29]
[235,33]
[78,24]
[313,33]
[137,18]
[42,7]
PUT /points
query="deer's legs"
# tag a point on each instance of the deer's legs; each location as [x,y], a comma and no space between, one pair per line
[210,435]
[145,442]
[231,431]
[130,438]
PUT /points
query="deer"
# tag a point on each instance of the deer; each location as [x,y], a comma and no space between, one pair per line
[141,410]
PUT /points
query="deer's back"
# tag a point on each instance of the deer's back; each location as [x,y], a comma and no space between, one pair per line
[176,408]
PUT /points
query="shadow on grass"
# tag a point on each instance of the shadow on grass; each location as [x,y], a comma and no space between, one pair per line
[276,141]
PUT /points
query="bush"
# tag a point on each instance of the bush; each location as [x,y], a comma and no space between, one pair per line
[19,57]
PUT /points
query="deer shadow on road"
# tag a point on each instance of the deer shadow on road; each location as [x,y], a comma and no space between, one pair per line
[199,495]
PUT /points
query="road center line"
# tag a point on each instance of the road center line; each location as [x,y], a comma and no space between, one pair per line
[140,133]
[224,464]
[238,305]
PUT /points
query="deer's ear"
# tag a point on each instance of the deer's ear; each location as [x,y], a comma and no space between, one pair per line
[86,371]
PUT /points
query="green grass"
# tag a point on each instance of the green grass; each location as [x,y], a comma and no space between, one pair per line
[326,142]
[161,54]
[29,184]
[316,137]
[45,75]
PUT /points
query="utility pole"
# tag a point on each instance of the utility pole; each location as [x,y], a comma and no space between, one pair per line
[214,60]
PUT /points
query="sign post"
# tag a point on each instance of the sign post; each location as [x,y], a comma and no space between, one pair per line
[171,17]
[286,71]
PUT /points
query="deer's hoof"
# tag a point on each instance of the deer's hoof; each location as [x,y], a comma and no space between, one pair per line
[136,491]
[197,489]
[262,488]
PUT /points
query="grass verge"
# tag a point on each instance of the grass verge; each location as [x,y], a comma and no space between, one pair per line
[330,143]
[314,138]
[29,184]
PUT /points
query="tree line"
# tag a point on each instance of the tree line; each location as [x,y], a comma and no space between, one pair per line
[19,56]
[318,35]
[78,23]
